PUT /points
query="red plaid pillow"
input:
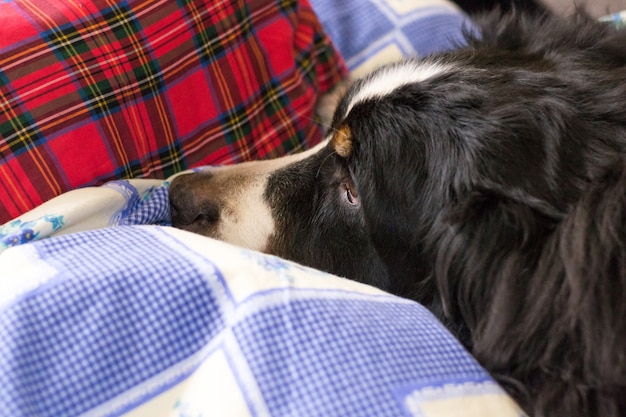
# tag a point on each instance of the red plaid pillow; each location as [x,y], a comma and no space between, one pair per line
[98,90]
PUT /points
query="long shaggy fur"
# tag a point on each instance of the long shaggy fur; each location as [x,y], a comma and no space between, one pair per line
[518,212]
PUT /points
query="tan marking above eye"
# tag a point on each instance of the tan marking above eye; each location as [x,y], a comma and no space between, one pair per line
[342,141]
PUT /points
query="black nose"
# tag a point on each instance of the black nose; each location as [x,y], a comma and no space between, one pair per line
[192,203]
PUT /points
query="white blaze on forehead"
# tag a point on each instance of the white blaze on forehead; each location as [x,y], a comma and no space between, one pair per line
[388,79]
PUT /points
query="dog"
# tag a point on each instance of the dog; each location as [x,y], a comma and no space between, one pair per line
[487,183]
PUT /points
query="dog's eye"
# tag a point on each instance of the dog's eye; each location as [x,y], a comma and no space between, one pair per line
[350,193]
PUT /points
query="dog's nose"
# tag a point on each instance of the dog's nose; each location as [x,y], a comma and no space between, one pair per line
[192,205]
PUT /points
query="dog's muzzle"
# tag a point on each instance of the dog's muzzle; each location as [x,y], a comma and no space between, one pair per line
[225,203]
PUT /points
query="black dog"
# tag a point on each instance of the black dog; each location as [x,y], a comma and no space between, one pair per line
[488,183]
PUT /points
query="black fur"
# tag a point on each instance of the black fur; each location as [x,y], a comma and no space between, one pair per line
[316,227]
[495,194]
[505,181]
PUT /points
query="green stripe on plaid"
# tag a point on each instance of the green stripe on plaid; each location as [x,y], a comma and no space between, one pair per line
[120,18]
[209,50]
[237,123]
[20,133]
[149,77]
[172,159]
[288,7]
[210,25]
[66,41]
[100,98]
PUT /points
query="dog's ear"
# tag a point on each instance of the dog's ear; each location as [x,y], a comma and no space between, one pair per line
[546,288]
[483,228]
[509,211]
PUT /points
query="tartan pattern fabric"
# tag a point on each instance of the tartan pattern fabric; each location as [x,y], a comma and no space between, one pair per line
[98,90]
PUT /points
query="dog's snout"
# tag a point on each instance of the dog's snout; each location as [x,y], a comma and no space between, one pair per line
[192,204]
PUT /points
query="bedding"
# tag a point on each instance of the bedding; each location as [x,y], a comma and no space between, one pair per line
[371,33]
[116,203]
[154,321]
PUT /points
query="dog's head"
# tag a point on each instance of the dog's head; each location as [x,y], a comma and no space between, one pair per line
[489,142]
[302,207]
[309,207]
[407,144]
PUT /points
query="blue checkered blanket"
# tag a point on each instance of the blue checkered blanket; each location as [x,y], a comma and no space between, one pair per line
[154,321]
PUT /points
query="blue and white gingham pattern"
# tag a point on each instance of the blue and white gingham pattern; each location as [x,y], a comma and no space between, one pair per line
[138,309]
[346,357]
[121,309]
[150,207]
